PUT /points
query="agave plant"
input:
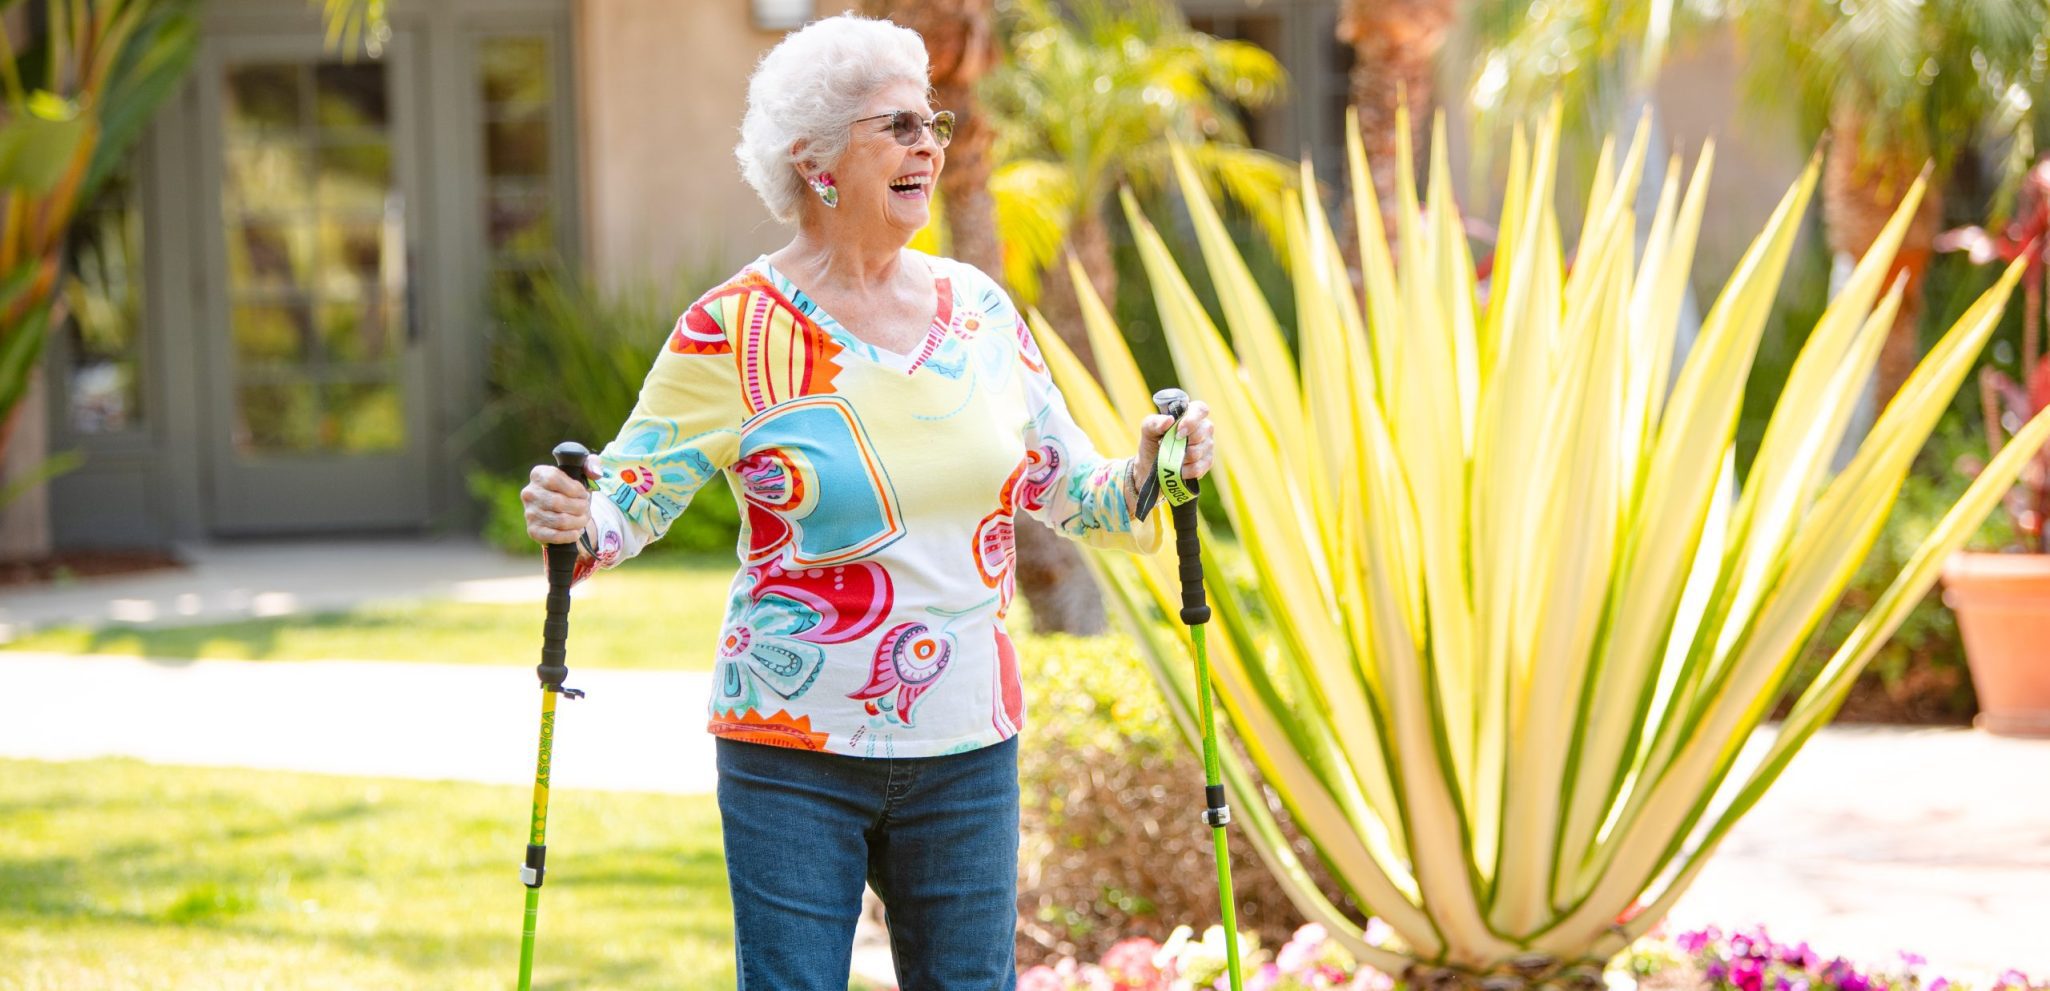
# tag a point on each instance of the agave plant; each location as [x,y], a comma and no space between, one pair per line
[1483,626]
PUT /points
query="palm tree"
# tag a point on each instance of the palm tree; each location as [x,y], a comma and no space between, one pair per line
[1089,104]
[1896,85]
[960,42]
[1395,46]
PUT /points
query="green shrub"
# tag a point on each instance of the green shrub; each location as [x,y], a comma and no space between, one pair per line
[566,362]
[1114,844]
[1919,676]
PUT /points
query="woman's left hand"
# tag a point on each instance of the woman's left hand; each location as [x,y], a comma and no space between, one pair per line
[1195,425]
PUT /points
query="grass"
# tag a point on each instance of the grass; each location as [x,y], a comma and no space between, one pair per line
[121,876]
[660,612]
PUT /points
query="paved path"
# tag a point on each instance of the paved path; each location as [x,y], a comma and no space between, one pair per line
[1876,840]
[224,582]
[1883,839]
[634,730]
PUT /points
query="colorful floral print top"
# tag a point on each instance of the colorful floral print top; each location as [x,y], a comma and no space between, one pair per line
[876,494]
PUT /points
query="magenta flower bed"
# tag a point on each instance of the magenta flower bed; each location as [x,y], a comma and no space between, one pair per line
[1751,960]
[1739,960]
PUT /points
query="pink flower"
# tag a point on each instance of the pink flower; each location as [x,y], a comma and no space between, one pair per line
[1369,979]
[1130,965]
[1041,978]
[1264,979]
[1300,953]
[1748,974]
[1378,932]
[1695,941]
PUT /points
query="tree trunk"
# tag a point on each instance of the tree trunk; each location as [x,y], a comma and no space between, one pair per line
[960,42]
[1859,194]
[1051,573]
[1395,47]
[1089,243]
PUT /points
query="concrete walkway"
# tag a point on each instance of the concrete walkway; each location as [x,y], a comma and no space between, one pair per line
[223,582]
[634,730]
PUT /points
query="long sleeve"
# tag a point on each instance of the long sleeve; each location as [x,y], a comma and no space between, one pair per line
[684,430]
[1069,486]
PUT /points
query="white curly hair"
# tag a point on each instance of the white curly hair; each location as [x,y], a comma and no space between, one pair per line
[807,89]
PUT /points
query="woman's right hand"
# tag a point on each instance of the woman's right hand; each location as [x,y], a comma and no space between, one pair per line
[557,509]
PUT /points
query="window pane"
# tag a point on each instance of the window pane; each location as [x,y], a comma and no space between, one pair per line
[264,97]
[350,95]
[270,334]
[516,148]
[270,254]
[520,226]
[315,237]
[271,176]
[352,256]
[515,79]
[356,332]
[103,306]
[277,418]
[355,177]
[364,417]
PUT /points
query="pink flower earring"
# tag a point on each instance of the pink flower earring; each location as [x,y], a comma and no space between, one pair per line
[829,194]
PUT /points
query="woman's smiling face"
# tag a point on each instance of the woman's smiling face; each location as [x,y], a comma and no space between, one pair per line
[880,181]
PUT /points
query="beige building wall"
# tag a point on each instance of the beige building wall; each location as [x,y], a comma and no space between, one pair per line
[664,89]
[1759,151]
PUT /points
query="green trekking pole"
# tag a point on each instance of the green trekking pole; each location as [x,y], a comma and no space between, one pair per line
[1181,499]
[562,563]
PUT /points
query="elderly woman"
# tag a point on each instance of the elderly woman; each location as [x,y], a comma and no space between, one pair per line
[880,414]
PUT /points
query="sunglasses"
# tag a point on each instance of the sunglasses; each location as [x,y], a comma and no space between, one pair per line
[906,125]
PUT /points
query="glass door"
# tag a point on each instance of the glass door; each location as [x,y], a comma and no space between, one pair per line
[313,358]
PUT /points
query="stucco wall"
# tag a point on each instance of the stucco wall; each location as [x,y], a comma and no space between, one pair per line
[664,87]
[1758,150]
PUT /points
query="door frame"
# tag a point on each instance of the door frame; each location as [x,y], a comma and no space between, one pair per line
[309,493]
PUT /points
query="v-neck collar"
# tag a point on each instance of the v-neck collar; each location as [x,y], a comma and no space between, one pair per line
[905,364]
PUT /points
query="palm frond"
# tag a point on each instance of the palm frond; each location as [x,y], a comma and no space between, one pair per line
[1035,204]
[1254,180]
[1100,94]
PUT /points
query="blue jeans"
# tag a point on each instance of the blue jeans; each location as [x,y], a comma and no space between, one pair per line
[936,837]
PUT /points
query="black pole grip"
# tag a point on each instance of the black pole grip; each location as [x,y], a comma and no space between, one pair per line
[1188,547]
[562,567]
[1188,541]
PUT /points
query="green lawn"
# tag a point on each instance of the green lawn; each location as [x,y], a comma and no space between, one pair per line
[120,876]
[660,612]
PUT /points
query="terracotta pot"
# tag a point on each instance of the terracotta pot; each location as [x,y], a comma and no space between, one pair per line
[2002,603]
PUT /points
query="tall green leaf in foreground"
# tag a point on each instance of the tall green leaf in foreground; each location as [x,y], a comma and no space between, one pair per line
[1484,628]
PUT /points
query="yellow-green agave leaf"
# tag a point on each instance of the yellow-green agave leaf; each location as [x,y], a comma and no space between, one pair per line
[1487,624]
